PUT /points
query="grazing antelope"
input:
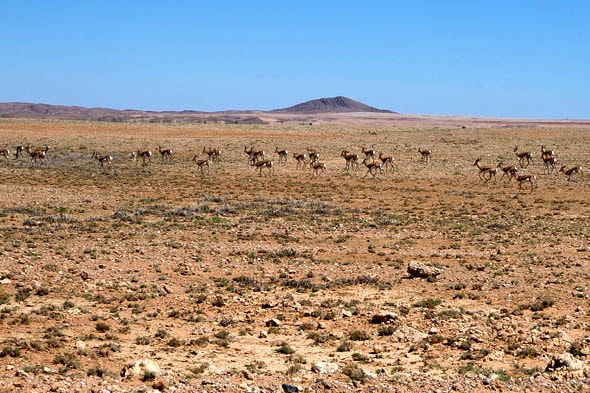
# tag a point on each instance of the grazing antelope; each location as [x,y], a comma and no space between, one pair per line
[300,158]
[569,172]
[352,160]
[426,154]
[314,156]
[202,164]
[319,168]
[387,161]
[263,164]
[526,178]
[550,163]
[283,154]
[372,168]
[369,153]
[19,150]
[145,155]
[102,160]
[509,171]
[213,153]
[166,154]
[489,170]
[38,154]
[546,153]
[254,155]
[6,153]
[523,155]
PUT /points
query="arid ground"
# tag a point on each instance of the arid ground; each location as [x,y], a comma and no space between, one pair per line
[242,282]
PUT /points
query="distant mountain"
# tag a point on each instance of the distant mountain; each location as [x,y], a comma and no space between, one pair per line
[331,105]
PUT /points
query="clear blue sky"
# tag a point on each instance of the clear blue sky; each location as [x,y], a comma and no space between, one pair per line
[515,58]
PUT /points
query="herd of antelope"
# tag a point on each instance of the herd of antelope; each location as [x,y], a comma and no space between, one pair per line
[524,159]
[375,162]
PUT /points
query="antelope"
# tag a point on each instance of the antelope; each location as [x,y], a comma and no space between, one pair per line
[283,154]
[508,170]
[314,156]
[526,178]
[166,153]
[6,153]
[546,153]
[352,160]
[318,168]
[426,154]
[369,153]
[300,158]
[254,155]
[569,172]
[523,155]
[372,168]
[145,155]
[489,170]
[102,160]
[37,154]
[263,164]
[202,164]
[19,151]
[550,163]
[387,161]
[213,153]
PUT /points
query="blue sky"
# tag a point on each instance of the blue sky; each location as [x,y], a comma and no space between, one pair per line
[527,59]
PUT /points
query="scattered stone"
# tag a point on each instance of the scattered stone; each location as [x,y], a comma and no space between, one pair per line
[272,322]
[422,270]
[384,317]
[566,360]
[324,368]
[290,388]
[140,368]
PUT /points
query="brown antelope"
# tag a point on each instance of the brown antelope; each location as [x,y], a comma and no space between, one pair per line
[254,155]
[352,160]
[102,160]
[369,153]
[145,155]
[546,153]
[283,154]
[300,158]
[526,178]
[6,153]
[38,154]
[319,168]
[261,164]
[372,168]
[165,153]
[387,161]
[314,156]
[509,171]
[489,170]
[550,163]
[426,154]
[523,155]
[202,164]
[19,150]
[213,153]
[571,171]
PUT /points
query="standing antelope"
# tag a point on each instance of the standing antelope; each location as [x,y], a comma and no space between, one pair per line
[509,171]
[19,150]
[145,155]
[254,155]
[263,164]
[202,164]
[569,172]
[300,158]
[102,160]
[319,168]
[523,155]
[283,154]
[526,178]
[166,154]
[369,153]
[6,153]
[314,156]
[550,163]
[387,161]
[489,170]
[546,153]
[38,154]
[213,153]
[352,160]
[426,154]
[372,168]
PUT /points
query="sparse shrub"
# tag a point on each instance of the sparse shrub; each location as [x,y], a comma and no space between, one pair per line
[285,348]
[10,351]
[102,327]
[345,346]
[143,340]
[358,335]
[22,294]
[96,371]
[354,372]
[386,330]
[428,303]
[360,357]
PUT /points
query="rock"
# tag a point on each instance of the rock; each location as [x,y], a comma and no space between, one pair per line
[419,269]
[290,388]
[324,368]
[346,313]
[263,334]
[272,322]
[407,334]
[384,317]
[141,369]
[566,360]
[5,281]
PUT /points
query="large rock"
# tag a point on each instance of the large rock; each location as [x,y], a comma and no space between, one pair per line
[566,360]
[384,317]
[324,368]
[145,368]
[422,270]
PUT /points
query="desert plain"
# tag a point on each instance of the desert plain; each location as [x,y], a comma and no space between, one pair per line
[158,277]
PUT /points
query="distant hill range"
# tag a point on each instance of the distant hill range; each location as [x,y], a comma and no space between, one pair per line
[313,107]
